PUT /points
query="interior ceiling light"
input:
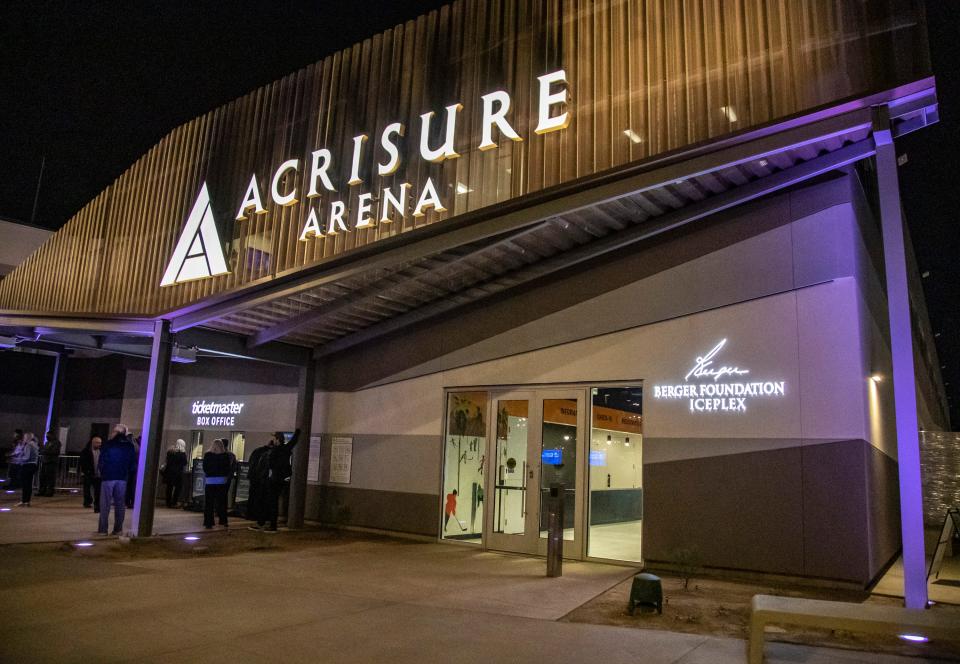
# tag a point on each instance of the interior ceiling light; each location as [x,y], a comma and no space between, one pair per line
[730,112]
[463,189]
[633,136]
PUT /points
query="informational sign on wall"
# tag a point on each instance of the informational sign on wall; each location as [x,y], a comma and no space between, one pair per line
[313,459]
[216,414]
[341,459]
[711,387]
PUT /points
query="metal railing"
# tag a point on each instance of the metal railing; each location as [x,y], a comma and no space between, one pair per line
[68,473]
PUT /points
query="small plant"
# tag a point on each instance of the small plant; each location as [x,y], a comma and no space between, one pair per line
[687,560]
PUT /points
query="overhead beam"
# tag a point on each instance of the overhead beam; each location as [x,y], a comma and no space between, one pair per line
[52,324]
[670,221]
[228,344]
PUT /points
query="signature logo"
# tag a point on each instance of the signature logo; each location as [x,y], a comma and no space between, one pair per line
[703,367]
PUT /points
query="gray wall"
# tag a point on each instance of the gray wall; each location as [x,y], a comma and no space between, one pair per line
[781,278]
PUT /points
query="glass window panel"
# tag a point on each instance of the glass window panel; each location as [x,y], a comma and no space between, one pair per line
[558,460]
[510,485]
[616,474]
[464,448]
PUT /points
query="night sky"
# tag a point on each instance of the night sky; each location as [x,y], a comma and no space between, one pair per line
[93,85]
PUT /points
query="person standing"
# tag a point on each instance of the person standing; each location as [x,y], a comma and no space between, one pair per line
[13,459]
[217,466]
[49,465]
[258,471]
[173,469]
[29,456]
[118,458]
[89,459]
[280,472]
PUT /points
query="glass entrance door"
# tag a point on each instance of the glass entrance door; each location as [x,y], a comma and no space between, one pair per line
[536,439]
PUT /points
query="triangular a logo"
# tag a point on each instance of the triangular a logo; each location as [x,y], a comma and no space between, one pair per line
[199,253]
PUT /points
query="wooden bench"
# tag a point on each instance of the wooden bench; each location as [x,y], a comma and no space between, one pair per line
[767,609]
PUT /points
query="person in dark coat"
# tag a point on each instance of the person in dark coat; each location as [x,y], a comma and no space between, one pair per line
[280,471]
[89,459]
[173,469]
[118,460]
[49,465]
[28,467]
[258,471]
[217,468]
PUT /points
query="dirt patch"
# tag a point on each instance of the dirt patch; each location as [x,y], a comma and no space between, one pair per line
[722,608]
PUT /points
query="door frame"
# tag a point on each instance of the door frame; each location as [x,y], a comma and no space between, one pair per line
[582,516]
[531,543]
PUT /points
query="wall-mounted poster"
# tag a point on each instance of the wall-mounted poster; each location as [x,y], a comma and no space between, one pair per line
[341,458]
[313,459]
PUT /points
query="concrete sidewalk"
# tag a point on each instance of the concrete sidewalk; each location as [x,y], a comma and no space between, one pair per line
[63,517]
[346,600]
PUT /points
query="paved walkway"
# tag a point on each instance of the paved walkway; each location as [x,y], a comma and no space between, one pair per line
[310,597]
[336,599]
[63,517]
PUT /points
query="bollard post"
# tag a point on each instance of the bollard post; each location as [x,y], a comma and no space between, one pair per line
[555,531]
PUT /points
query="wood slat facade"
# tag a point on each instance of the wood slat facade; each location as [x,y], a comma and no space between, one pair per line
[645,77]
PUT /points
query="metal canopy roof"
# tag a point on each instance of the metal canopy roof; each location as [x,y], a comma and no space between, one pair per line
[376,290]
[345,310]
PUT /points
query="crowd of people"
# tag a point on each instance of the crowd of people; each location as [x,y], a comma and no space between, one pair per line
[108,472]
[26,458]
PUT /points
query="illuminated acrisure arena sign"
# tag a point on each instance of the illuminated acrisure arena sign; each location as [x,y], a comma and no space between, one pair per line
[199,252]
[708,386]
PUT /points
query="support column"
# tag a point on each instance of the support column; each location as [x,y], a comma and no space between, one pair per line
[151,439]
[901,349]
[56,396]
[301,453]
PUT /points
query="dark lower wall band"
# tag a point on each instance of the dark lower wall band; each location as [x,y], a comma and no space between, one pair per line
[825,511]
[415,513]
[818,510]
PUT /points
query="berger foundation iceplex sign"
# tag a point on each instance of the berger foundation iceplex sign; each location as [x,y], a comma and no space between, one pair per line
[717,387]
[199,252]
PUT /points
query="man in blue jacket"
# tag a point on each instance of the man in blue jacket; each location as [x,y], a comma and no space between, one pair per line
[118,460]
